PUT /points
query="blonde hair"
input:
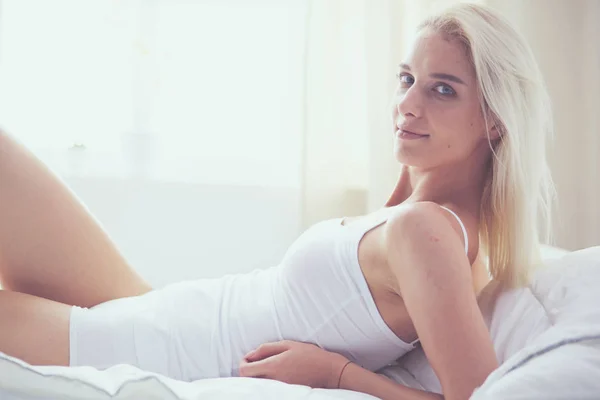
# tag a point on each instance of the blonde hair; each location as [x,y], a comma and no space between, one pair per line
[517,200]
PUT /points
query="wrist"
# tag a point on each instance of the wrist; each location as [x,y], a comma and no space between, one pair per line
[337,369]
[339,384]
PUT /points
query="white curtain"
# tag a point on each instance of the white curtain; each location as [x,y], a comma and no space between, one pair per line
[290,93]
[198,91]
[335,154]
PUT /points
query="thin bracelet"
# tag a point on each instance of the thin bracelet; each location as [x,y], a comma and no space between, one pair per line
[341,373]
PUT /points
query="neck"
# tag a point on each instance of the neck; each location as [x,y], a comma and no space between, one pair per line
[459,184]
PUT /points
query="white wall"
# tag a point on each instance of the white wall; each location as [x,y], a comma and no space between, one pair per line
[175,231]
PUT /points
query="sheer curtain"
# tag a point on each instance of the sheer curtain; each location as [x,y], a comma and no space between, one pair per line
[201,91]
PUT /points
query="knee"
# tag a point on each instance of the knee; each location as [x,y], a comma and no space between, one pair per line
[10,148]
[6,143]
[3,140]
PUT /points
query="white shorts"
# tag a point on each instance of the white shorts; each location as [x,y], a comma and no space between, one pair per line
[168,331]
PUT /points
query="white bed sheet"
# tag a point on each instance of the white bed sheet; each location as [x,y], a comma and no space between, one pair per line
[23,382]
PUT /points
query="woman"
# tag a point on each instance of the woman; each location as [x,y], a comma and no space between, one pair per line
[470,122]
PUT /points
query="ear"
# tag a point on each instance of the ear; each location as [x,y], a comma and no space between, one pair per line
[495,132]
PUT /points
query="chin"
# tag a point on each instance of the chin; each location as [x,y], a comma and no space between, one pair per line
[410,159]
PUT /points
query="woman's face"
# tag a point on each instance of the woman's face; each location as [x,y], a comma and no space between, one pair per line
[437,116]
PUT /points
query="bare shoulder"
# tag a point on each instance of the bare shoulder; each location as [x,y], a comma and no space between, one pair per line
[424,221]
[422,213]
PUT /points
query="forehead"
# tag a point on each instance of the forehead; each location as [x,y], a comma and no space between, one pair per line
[433,52]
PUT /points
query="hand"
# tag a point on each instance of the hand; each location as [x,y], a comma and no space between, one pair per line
[295,363]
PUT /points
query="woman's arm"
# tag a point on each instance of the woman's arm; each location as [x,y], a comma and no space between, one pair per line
[427,255]
[306,364]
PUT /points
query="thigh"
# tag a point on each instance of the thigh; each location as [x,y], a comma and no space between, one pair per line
[50,245]
[34,329]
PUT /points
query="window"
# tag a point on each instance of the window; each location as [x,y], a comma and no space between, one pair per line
[206,90]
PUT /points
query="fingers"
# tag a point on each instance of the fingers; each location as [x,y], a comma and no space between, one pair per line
[267,350]
[259,369]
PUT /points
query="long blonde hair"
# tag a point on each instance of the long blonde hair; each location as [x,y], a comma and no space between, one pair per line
[517,201]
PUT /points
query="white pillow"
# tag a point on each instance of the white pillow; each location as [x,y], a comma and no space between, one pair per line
[552,252]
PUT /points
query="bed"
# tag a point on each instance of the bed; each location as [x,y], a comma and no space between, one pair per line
[546,336]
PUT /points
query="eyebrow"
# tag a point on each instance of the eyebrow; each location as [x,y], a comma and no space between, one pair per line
[438,75]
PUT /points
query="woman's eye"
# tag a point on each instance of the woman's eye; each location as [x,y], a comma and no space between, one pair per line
[405,80]
[445,90]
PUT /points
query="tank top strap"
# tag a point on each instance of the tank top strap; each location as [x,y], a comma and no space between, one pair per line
[362,226]
[462,226]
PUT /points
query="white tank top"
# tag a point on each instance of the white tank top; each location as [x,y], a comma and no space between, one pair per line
[317,294]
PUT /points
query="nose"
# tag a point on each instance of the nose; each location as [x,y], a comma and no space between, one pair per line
[408,103]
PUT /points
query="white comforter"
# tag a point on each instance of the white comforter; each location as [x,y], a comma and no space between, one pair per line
[547,337]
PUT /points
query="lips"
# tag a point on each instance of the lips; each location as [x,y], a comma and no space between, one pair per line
[408,128]
[409,133]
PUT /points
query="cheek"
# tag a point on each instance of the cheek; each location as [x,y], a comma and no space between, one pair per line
[456,126]
[448,123]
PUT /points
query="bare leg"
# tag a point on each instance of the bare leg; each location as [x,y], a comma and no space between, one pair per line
[50,246]
[34,329]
